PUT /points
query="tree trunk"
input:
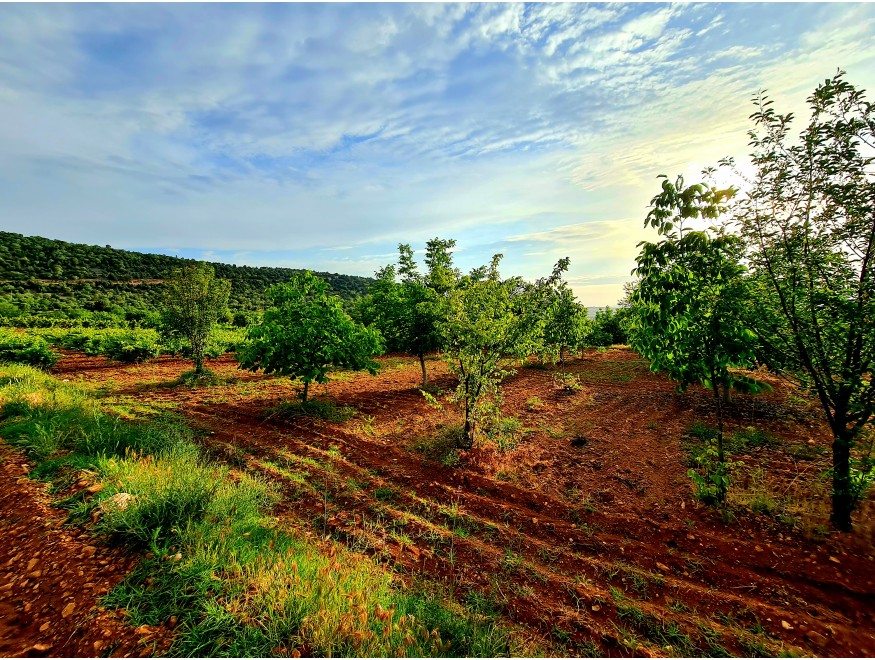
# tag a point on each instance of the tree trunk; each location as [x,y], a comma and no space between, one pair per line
[306,389]
[842,498]
[561,354]
[727,392]
[424,372]
[467,440]
[198,364]
[721,457]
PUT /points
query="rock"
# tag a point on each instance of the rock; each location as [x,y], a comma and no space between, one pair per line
[119,501]
[663,568]
[596,607]
[88,551]
[33,562]
[834,560]
[45,626]
[534,521]
[95,488]
[786,626]
[41,648]
[69,608]
[97,646]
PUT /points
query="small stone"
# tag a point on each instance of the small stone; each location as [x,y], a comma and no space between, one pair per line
[596,607]
[786,626]
[33,562]
[97,646]
[758,548]
[534,521]
[41,648]
[95,488]
[177,556]
[68,609]
[834,560]
[89,551]
[45,626]
[663,567]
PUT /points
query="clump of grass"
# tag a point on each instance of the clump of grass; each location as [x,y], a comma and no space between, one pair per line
[534,403]
[504,431]
[566,382]
[327,410]
[192,378]
[749,437]
[440,446]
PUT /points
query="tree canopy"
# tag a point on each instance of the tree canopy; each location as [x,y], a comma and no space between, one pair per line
[305,332]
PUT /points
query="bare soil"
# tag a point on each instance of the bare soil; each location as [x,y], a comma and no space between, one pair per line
[588,522]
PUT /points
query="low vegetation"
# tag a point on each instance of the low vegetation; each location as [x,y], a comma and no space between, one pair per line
[233,582]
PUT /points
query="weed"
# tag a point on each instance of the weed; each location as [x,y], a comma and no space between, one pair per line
[441,446]
[511,561]
[567,383]
[327,410]
[192,378]
[534,403]
[385,493]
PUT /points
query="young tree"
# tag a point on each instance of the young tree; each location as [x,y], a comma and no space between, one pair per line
[809,222]
[193,302]
[409,313]
[689,303]
[305,332]
[565,323]
[490,326]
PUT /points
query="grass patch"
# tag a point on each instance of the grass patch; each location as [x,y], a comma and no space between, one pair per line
[327,410]
[192,378]
[440,446]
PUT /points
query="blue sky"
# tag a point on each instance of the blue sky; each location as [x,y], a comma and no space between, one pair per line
[321,136]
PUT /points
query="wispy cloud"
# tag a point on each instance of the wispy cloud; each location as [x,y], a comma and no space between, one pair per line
[305,133]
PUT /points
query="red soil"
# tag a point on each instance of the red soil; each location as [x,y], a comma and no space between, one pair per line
[593,508]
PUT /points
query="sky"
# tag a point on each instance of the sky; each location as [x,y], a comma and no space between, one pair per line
[323,135]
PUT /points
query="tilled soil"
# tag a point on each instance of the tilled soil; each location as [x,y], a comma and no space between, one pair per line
[582,529]
[52,577]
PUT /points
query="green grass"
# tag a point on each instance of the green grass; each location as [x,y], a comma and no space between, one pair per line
[440,446]
[327,410]
[237,583]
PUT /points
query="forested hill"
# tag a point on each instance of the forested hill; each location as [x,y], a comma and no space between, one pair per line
[40,275]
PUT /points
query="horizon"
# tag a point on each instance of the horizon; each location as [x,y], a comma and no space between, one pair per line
[338,131]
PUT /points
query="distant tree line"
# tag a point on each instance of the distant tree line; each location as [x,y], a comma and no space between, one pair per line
[49,278]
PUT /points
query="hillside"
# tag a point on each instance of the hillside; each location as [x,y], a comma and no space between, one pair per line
[41,275]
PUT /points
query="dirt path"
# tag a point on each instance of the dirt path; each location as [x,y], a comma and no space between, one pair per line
[52,576]
[586,531]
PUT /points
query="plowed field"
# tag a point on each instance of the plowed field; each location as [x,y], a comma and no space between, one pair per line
[579,524]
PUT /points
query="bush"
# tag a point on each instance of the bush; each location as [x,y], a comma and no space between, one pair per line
[15,347]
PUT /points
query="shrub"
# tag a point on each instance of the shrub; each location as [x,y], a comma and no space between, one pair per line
[15,347]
